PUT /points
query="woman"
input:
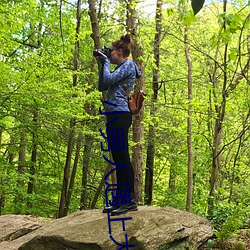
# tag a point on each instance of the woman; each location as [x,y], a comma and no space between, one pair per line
[125,72]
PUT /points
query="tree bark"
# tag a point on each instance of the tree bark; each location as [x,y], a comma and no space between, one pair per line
[85,170]
[94,24]
[2,198]
[97,44]
[1,135]
[33,156]
[99,189]
[66,176]
[2,201]
[64,191]
[22,159]
[151,134]
[189,124]
[73,174]
[218,127]
[137,126]
[19,198]
[172,170]
[35,111]
[11,152]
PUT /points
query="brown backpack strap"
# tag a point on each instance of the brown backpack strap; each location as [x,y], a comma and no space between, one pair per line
[126,89]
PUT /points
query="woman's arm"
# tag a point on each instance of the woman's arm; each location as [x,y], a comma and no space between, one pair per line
[123,72]
[101,86]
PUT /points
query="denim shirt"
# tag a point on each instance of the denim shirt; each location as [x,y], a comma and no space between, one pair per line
[113,82]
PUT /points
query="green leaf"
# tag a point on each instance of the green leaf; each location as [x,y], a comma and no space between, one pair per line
[188,17]
[233,54]
[197,5]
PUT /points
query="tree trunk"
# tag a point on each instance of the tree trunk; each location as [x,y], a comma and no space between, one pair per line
[2,201]
[85,170]
[2,198]
[172,178]
[19,198]
[1,135]
[35,112]
[217,142]
[63,199]
[151,134]
[94,24]
[97,44]
[1,179]
[172,170]
[21,159]
[137,126]
[189,124]
[73,174]
[66,176]
[33,156]
[99,189]
[11,152]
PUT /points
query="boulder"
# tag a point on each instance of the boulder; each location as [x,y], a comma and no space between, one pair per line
[15,226]
[148,228]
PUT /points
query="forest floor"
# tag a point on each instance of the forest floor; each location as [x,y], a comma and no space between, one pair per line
[240,242]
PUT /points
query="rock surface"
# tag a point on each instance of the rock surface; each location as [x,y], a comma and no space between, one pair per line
[15,226]
[151,228]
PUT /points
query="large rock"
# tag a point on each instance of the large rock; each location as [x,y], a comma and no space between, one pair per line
[15,226]
[150,228]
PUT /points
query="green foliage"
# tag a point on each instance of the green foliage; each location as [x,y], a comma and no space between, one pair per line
[210,244]
[221,212]
[38,80]
[234,221]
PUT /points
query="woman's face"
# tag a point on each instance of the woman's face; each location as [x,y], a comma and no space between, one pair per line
[116,56]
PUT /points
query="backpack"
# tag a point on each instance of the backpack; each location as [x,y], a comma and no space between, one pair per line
[134,101]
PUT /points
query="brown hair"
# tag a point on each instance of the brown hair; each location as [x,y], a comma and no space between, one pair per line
[124,44]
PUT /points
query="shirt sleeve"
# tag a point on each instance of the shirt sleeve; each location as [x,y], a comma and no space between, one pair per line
[101,86]
[122,72]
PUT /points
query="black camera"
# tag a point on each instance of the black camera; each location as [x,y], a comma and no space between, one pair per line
[106,51]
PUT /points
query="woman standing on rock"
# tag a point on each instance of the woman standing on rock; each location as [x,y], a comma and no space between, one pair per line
[125,72]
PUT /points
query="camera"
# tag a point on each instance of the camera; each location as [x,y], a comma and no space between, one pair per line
[106,51]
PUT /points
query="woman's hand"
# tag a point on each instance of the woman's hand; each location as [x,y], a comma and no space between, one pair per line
[101,58]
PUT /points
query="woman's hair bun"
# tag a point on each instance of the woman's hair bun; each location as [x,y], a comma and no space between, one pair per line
[124,43]
[126,39]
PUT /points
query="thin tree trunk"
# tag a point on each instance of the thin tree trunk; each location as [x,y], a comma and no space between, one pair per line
[137,126]
[99,189]
[33,156]
[32,167]
[189,124]
[64,191]
[151,134]
[2,198]
[97,44]
[2,201]
[172,170]
[35,112]
[19,199]
[218,130]
[85,170]
[22,159]
[11,155]
[66,176]
[73,174]
[1,135]
[94,24]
